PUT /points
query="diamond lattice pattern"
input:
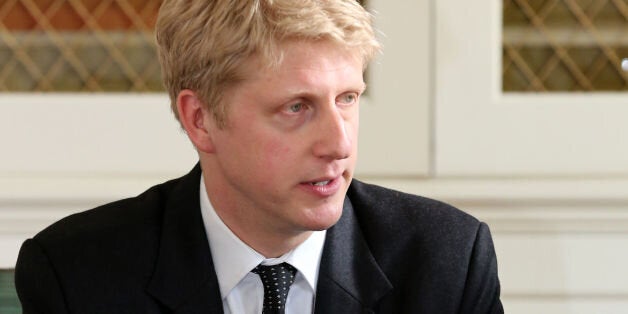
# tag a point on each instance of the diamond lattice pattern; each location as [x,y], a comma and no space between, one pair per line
[78,45]
[564,45]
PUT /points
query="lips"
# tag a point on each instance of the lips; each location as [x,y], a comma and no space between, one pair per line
[323,187]
[320,183]
[323,181]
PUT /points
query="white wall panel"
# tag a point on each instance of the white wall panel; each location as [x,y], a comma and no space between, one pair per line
[51,136]
[481,131]
[395,121]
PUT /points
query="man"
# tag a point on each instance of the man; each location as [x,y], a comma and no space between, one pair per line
[270,220]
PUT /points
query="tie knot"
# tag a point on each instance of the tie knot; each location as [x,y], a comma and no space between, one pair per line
[277,280]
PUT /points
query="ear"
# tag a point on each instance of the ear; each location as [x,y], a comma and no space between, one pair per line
[196,120]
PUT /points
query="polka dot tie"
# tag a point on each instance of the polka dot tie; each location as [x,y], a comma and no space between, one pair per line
[277,280]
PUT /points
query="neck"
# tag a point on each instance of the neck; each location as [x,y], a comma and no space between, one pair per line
[270,248]
[251,226]
[269,242]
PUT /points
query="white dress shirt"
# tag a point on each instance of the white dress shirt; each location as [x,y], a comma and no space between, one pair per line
[242,292]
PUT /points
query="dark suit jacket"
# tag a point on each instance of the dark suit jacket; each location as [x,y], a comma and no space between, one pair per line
[390,252]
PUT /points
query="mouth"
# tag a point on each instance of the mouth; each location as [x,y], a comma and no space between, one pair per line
[323,187]
[320,183]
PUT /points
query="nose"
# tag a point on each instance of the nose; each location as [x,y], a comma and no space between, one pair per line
[333,135]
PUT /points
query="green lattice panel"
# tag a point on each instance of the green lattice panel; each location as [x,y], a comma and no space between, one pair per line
[9,304]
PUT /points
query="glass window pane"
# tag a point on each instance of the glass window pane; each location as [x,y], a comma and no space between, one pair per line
[78,45]
[564,45]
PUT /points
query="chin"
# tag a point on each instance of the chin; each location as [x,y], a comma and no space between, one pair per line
[323,218]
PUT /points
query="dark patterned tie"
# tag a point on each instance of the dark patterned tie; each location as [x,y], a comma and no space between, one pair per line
[277,280]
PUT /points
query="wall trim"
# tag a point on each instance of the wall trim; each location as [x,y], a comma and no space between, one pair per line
[552,205]
[531,206]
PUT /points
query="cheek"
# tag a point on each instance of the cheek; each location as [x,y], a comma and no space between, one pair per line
[275,160]
[354,132]
[278,154]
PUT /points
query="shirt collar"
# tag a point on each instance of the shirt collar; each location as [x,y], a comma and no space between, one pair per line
[234,259]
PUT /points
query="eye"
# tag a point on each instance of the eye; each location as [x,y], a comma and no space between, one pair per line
[296,107]
[348,98]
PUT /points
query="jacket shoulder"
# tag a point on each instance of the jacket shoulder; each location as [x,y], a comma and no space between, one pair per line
[126,214]
[446,254]
[396,207]
[422,229]
[105,255]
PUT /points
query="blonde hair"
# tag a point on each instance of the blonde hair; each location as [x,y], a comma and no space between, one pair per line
[202,44]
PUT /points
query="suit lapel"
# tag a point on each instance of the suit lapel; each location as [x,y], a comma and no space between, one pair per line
[184,279]
[350,280]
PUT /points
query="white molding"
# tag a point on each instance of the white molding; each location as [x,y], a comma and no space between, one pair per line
[509,189]
[550,205]
[532,205]
[566,305]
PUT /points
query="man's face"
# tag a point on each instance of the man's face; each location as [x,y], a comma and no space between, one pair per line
[286,156]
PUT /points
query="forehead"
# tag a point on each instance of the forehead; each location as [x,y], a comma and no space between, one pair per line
[317,71]
[298,56]
[314,70]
